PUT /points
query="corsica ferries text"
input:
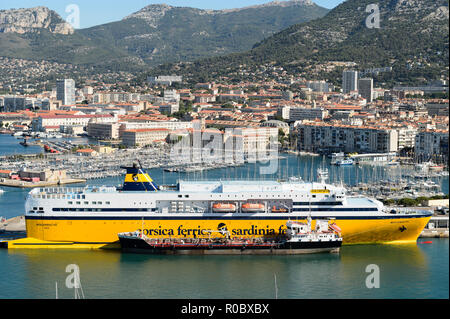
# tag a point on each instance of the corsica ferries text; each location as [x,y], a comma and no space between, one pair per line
[221,228]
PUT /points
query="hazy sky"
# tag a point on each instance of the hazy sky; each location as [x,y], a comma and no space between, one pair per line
[95,12]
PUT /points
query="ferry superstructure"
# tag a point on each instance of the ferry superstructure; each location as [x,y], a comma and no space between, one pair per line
[91,217]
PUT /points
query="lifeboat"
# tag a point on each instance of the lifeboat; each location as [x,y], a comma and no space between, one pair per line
[224,208]
[278,210]
[253,207]
[335,228]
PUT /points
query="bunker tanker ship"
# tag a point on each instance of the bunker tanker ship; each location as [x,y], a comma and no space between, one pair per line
[300,238]
[91,217]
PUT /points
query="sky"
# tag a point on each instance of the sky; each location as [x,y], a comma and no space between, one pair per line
[95,12]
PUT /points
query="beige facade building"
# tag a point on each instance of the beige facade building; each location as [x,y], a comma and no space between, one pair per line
[103,130]
[142,137]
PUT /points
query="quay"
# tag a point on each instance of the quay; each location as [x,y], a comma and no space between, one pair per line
[437,227]
[26,184]
[15,224]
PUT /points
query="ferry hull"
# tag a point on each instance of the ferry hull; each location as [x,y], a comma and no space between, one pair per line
[72,232]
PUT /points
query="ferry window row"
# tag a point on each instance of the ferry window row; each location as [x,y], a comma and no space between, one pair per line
[324,209]
[262,196]
[104,209]
[59,196]
[87,203]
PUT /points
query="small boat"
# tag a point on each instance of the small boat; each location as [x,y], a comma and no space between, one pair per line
[348,161]
[299,239]
[24,143]
[253,208]
[224,208]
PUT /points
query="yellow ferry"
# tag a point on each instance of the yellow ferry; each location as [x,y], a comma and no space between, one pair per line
[91,217]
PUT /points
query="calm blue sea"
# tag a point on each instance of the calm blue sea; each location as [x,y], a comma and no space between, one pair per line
[406,271]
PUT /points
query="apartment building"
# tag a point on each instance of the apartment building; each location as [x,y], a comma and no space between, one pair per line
[315,137]
[142,137]
[431,144]
[298,113]
[103,130]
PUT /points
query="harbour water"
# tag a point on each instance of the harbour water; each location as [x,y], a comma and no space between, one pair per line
[406,271]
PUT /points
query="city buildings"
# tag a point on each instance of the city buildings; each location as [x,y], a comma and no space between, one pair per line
[142,137]
[349,81]
[365,89]
[298,113]
[432,145]
[326,137]
[65,91]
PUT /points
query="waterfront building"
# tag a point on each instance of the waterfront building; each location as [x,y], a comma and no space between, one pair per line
[142,137]
[320,136]
[432,145]
[45,175]
[103,130]
[406,137]
[255,140]
[349,81]
[280,125]
[72,129]
[147,124]
[65,91]
[40,123]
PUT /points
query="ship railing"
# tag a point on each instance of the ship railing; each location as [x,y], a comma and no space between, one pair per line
[409,211]
[76,190]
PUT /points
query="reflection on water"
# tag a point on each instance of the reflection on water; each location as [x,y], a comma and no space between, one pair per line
[406,271]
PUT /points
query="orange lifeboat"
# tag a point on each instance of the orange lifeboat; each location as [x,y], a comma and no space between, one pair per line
[335,228]
[224,208]
[279,210]
[253,207]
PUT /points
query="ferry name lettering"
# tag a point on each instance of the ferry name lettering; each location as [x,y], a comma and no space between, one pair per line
[157,232]
[255,231]
[197,232]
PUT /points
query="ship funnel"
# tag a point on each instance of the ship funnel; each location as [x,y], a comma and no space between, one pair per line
[137,179]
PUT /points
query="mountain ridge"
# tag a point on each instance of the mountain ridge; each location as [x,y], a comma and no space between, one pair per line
[413,38]
[156,34]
